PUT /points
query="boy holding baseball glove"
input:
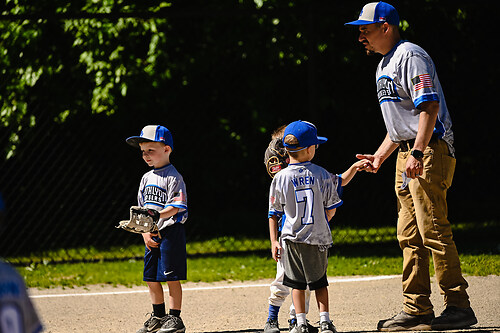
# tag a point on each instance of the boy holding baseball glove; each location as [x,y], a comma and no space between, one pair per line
[162,193]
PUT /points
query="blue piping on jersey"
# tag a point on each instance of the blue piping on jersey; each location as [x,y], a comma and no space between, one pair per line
[301,163]
[153,203]
[153,185]
[340,189]
[426,98]
[176,206]
[274,213]
[390,100]
[395,46]
[439,128]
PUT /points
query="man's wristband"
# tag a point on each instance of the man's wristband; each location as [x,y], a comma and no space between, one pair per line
[417,153]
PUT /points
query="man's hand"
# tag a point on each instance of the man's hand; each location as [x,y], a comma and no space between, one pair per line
[414,167]
[375,162]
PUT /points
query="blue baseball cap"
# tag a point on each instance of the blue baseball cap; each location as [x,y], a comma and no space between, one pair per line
[375,12]
[305,132]
[152,133]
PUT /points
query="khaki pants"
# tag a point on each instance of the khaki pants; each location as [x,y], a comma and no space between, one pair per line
[423,228]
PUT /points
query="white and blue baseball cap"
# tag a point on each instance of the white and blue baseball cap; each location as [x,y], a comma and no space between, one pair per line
[376,12]
[305,132]
[152,133]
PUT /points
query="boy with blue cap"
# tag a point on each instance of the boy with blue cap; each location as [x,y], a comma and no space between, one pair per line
[307,196]
[418,123]
[163,189]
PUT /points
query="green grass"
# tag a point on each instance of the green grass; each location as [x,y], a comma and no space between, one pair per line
[218,245]
[369,251]
[227,268]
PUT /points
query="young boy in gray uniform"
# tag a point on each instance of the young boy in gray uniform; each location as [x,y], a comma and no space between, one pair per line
[163,189]
[307,195]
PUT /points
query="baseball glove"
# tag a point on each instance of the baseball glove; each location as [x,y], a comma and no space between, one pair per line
[142,220]
[276,157]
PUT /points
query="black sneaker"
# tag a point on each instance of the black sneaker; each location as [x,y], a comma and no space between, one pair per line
[327,327]
[293,322]
[406,322]
[454,318]
[153,324]
[311,328]
[173,324]
[300,329]
[271,326]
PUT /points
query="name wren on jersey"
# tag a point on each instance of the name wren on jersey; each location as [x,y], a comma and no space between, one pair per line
[306,180]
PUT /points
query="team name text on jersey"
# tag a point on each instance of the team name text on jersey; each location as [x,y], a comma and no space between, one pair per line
[154,194]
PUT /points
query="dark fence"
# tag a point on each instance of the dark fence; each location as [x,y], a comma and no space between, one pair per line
[69,183]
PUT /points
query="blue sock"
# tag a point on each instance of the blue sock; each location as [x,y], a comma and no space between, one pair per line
[273,312]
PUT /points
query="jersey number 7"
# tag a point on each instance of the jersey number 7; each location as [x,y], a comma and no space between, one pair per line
[305,203]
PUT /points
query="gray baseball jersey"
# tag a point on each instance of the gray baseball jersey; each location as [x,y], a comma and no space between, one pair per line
[17,314]
[302,192]
[161,188]
[406,77]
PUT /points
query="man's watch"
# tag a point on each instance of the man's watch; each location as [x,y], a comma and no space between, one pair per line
[417,153]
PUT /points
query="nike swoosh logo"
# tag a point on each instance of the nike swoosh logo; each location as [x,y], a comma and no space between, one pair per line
[167,273]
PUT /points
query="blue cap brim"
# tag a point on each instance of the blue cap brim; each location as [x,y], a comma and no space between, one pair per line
[359,22]
[322,139]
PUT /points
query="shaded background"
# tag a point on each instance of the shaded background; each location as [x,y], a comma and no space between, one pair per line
[79,78]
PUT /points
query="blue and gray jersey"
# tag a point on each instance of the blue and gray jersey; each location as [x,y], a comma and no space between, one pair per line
[302,192]
[161,188]
[406,77]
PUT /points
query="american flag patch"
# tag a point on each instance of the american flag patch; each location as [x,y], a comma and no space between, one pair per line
[421,81]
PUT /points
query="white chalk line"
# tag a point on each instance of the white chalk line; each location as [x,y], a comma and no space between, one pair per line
[229,286]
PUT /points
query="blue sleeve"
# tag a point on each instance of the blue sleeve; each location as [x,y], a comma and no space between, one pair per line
[340,188]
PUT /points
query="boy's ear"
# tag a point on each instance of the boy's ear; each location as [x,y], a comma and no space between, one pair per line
[168,148]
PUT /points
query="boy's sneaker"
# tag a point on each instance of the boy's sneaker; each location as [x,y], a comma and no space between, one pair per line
[153,324]
[271,326]
[293,322]
[406,322]
[173,324]
[327,327]
[300,329]
[454,318]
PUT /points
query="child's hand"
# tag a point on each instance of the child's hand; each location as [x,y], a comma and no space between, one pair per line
[276,250]
[148,240]
[363,165]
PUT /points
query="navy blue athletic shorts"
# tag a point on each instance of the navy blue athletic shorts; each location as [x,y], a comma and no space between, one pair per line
[168,261]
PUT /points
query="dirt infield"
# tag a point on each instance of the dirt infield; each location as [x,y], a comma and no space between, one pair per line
[356,304]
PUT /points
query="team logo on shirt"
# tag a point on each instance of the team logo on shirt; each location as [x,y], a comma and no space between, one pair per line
[154,195]
[386,90]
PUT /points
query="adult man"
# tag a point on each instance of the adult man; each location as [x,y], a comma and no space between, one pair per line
[418,123]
